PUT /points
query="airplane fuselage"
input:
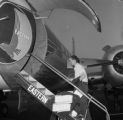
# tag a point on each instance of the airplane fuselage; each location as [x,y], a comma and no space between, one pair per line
[22,36]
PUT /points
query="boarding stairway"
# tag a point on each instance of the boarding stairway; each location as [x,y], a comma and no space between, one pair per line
[37,90]
[45,96]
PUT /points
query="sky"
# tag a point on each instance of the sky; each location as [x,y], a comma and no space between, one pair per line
[67,24]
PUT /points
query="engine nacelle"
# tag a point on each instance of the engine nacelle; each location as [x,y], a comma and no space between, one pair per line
[114,73]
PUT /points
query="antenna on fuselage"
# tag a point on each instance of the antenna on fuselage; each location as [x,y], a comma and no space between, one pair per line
[73,46]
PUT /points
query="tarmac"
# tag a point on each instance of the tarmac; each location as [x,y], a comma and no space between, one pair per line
[36,112]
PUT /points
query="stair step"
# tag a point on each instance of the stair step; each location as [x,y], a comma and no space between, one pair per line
[27,76]
[37,84]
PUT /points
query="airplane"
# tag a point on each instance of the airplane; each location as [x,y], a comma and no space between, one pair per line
[26,39]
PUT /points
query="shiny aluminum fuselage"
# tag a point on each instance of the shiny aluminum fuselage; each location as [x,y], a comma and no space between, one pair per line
[44,46]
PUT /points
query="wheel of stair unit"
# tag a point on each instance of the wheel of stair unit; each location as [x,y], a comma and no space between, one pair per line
[55,117]
[3,109]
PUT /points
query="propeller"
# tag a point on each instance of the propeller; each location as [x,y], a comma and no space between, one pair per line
[101,63]
[111,65]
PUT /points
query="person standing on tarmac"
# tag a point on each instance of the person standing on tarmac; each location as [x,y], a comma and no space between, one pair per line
[81,81]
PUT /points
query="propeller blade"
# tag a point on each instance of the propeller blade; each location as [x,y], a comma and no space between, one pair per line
[101,64]
[91,62]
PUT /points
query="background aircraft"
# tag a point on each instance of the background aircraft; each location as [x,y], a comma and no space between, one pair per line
[106,48]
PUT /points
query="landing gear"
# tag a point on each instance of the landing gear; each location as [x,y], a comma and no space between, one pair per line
[3,106]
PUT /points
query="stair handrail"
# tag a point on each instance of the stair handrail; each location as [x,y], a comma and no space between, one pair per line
[89,97]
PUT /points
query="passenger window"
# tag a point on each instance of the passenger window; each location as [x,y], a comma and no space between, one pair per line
[51,47]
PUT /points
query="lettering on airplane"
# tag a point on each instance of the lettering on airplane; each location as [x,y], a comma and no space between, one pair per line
[37,94]
[21,34]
